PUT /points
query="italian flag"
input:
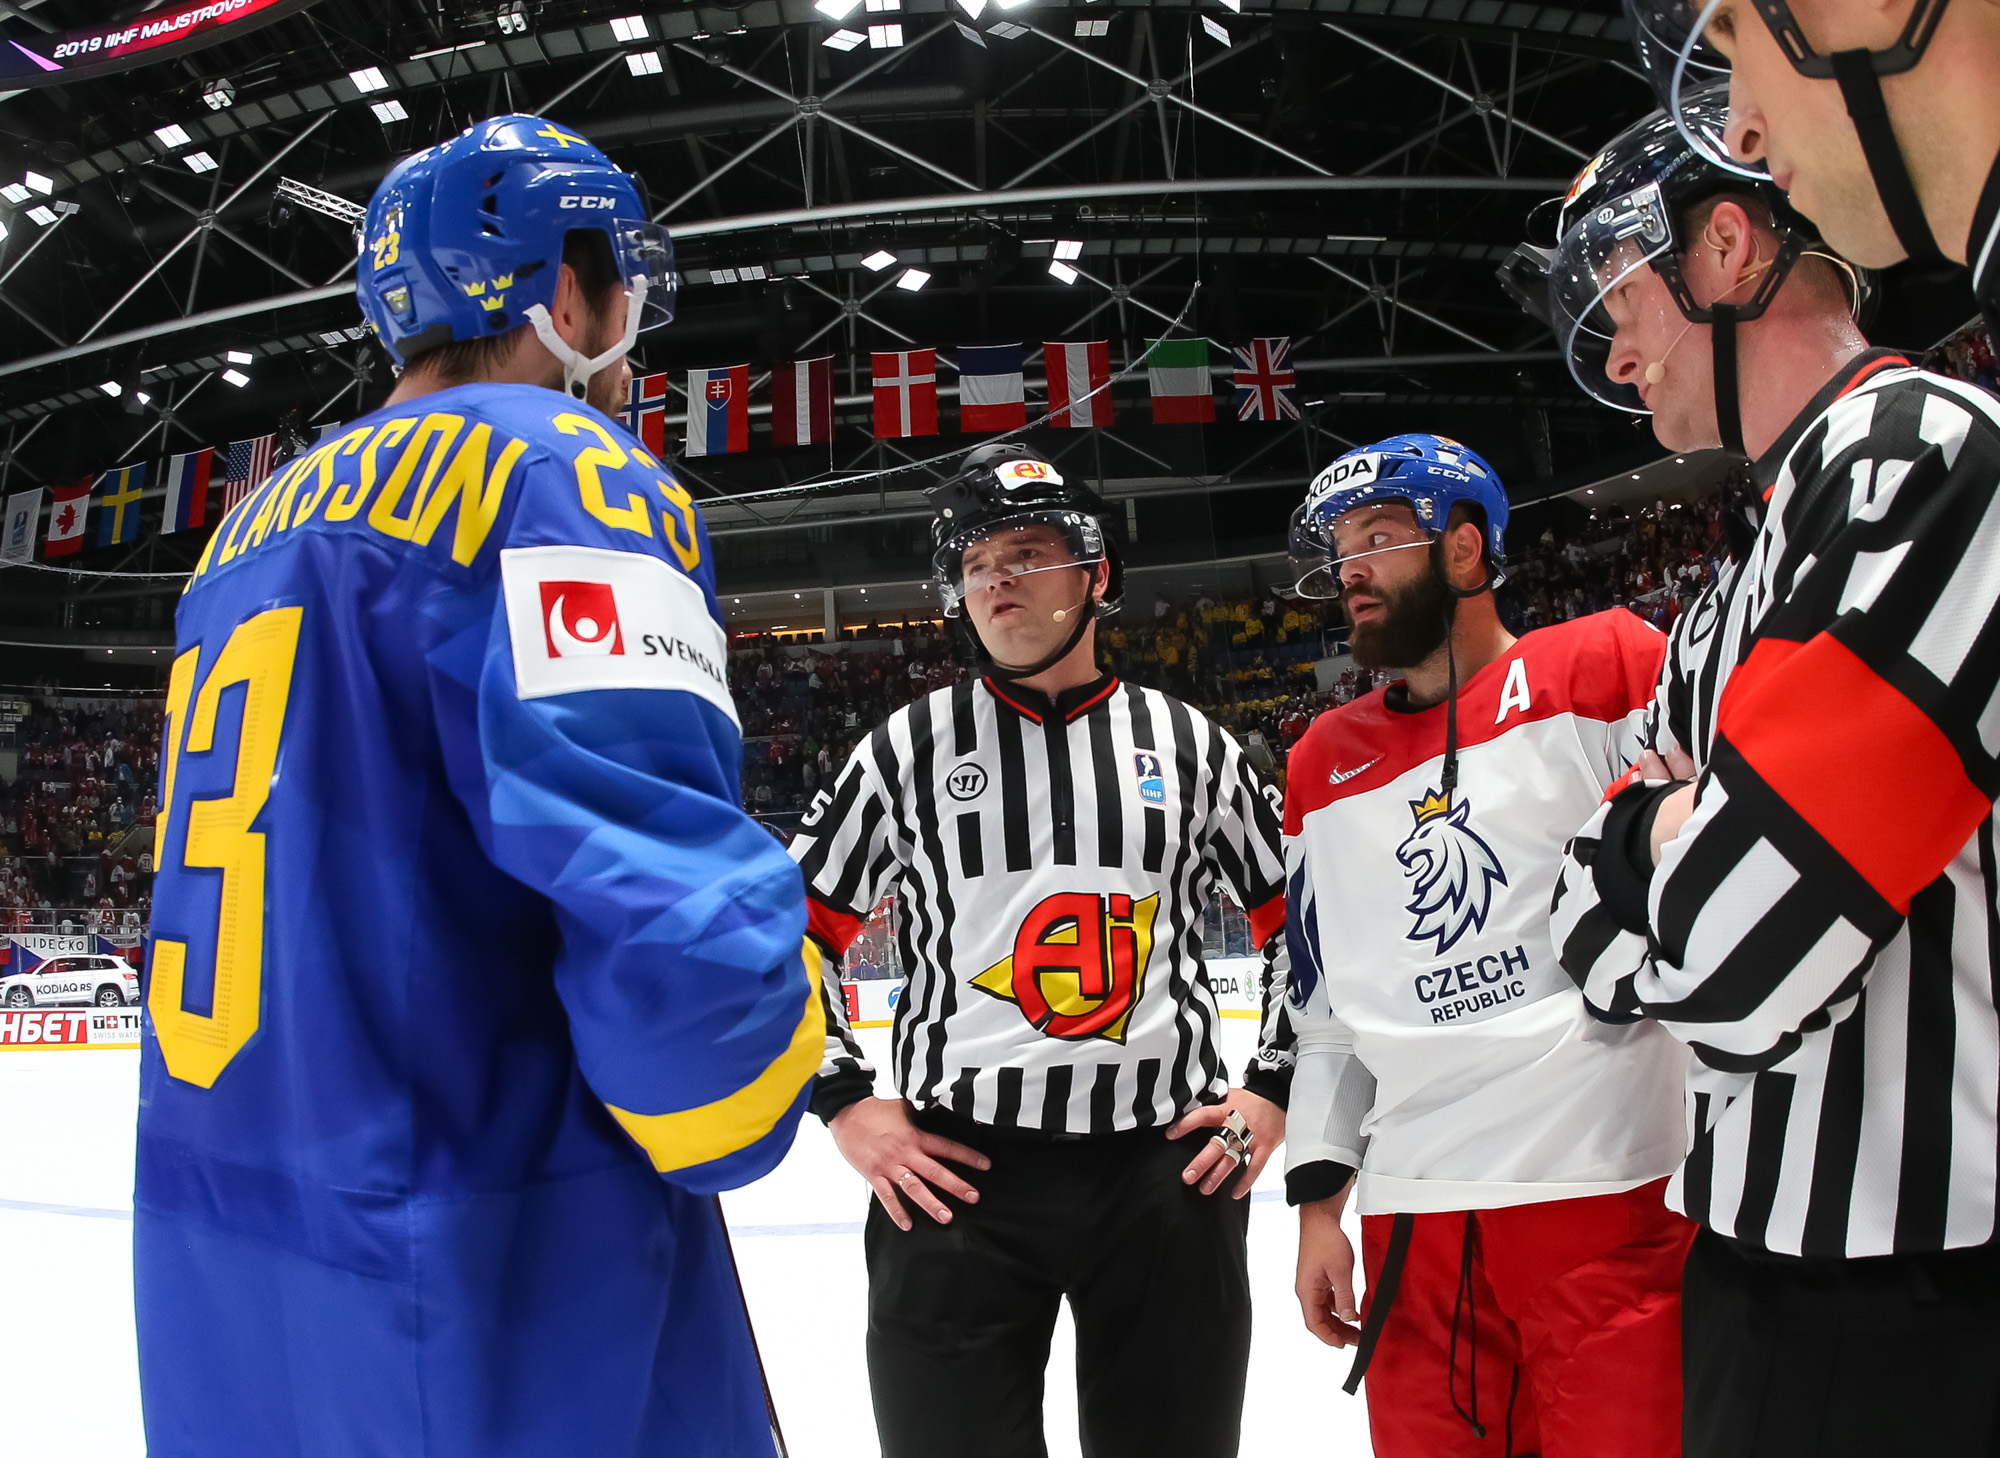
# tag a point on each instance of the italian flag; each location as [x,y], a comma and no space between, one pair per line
[1183,393]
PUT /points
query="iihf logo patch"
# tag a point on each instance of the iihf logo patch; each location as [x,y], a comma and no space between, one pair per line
[1152,785]
[1452,871]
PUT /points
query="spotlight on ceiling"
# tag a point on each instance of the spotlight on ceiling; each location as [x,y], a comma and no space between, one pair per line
[112,388]
[643,63]
[835,9]
[1062,272]
[199,162]
[39,183]
[239,356]
[972,7]
[885,37]
[629,28]
[42,215]
[1068,248]
[369,78]
[512,18]
[219,93]
[880,259]
[172,135]
[236,378]
[843,40]
[389,111]
[913,279]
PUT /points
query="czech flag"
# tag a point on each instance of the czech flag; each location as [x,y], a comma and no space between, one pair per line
[718,418]
[187,491]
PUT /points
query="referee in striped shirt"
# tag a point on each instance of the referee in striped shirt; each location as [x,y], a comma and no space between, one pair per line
[1053,837]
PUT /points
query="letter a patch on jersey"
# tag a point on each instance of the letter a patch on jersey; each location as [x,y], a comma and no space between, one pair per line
[1514,693]
[1079,964]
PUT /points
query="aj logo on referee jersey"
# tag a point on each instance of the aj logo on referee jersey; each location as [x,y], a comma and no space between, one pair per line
[1452,871]
[1079,964]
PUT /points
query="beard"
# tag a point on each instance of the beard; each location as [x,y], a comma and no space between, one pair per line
[1412,626]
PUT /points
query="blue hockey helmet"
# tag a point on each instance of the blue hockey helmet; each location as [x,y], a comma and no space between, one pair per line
[1433,473]
[464,240]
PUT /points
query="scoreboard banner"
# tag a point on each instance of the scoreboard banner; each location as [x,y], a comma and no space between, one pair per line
[158,34]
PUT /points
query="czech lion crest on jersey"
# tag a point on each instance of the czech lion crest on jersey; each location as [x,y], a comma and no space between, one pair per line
[1452,871]
[1079,964]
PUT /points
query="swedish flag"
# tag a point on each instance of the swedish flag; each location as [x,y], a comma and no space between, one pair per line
[118,493]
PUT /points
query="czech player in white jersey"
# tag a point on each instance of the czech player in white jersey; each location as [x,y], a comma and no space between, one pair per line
[1523,1271]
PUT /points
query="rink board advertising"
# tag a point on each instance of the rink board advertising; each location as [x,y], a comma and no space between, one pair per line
[28,1029]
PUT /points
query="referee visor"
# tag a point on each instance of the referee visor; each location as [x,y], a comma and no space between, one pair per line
[1016,546]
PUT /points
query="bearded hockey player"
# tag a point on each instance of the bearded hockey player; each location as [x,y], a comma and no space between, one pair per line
[1507,1152]
[1053,837]
[470,979]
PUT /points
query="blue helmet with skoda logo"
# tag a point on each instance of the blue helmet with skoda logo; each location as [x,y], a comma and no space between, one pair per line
[1433,473]
[464,241]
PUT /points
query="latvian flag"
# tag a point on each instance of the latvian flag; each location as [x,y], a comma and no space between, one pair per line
[187,491]
[1079,380]
[1266,388]
[718,410]
[989,388]
[645,412]
[244,469]
[1177,369]
[67,508]
[802,403]
[905,393]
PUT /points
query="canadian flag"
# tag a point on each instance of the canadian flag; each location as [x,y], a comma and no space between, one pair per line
[67,506]
[905,393]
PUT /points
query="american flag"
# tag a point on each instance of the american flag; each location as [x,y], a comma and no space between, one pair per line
[247,464]
[1266,387]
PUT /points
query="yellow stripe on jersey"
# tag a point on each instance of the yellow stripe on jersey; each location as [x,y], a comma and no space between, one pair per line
[714,1131]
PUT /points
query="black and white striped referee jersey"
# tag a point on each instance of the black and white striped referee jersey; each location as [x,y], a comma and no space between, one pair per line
[1825,930]
[1051,864]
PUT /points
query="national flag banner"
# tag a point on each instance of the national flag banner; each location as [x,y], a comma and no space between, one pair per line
[802,402]
[17,533]
[645,412]
[905,393]
[1079,383]
[989,388]
[1177,369]
[244,468]
[718,410]
[68,505]
[1266,386]
[187,491]
[118,492]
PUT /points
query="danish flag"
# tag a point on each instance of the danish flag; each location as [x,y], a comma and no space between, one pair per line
[905,393]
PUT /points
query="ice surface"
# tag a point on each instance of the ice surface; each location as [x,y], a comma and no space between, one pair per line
[65,1221]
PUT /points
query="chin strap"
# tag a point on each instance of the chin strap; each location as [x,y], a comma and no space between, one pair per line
[1448,779]
[1009,675]
[1728,406]
[1861,89]
[577,368]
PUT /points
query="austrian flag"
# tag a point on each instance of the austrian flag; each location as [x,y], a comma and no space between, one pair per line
[718,418]
[905,393]
[989,388]
[1079,375]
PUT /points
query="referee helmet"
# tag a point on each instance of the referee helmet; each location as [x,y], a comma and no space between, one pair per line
[1007,485]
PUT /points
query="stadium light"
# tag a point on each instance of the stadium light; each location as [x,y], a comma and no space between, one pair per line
[843,40]
[236,378]
[1087,28]
[112,388]
[219,93]
[512,18]
[369,78]
[1062,271]
[172,135]
[42,215]
[239,356]
[14,192]
[880,259]
[643,63]
[1007,30]
[199,162]
[972,7]
[885,37]
[913,279]
[877,6]
[389,111]
[1068,248]
[835,9]
[1215,30]
[39,183]
[629,28]
[1010,4]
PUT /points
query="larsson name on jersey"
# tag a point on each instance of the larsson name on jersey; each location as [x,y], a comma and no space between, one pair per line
[588,618]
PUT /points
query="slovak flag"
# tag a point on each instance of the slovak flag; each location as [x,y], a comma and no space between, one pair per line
[989,388]
[802,403]
[1078,376]
[645,412]
[905,393]
[718,410]
[187,491]
[67,506]
[1266,386]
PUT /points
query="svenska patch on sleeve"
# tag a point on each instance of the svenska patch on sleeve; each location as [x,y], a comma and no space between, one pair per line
[584,618]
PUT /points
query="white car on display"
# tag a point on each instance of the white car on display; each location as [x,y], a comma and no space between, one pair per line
[101,981]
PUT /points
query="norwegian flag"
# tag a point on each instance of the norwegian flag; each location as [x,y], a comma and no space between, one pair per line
[645,412]
[244,468]
[802,402]
[905,393]
[1078,374]
[1266,387]
[718,419]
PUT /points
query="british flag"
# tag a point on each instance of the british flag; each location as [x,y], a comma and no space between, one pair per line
[1266,387]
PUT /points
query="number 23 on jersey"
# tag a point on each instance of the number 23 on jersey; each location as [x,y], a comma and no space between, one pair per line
[260,655]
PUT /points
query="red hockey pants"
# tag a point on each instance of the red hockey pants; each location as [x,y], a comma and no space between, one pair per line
[1550,1329]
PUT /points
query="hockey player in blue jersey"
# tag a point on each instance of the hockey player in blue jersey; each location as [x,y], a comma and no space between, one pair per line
[471,980]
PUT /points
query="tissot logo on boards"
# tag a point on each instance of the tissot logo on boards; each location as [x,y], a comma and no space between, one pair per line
[580,620]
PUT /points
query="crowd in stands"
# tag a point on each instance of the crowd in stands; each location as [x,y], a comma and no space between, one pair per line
[87,769]
[84,784]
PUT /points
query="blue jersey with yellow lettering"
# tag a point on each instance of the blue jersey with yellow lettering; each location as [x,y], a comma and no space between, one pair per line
[470,979]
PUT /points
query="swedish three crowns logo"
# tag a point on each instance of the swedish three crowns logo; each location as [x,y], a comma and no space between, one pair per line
[1451,870]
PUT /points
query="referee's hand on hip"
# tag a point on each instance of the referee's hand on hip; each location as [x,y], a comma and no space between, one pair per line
[1216,1161]
[900,1160]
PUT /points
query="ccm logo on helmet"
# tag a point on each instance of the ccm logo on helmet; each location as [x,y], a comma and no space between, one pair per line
[584,200]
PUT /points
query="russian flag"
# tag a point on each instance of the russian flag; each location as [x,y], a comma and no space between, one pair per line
[187,491]
[989,388]
[718,418]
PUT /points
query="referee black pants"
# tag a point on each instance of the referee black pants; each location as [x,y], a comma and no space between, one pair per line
[1879,1358]
[960,1315]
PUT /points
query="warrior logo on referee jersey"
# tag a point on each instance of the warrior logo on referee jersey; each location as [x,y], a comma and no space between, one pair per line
[1079,964]
[1452,871]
